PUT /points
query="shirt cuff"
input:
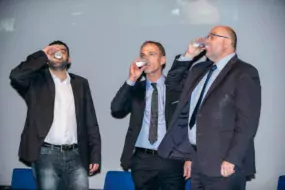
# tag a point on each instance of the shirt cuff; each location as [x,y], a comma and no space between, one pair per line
[130,82]
[182,58]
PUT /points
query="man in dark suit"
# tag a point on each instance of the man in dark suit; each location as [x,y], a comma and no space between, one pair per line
[61,136]
[217,116]
[150,103]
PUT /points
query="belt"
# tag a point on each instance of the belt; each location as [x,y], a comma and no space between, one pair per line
[65,147]
[146,151]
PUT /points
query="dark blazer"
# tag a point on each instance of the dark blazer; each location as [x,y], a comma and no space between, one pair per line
[227,120]
[131,99]
[33,81]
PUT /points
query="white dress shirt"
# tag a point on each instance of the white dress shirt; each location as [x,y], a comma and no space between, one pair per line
[64,127]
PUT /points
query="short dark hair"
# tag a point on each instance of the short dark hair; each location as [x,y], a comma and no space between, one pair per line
[58,42]
[157,44]
[160,47]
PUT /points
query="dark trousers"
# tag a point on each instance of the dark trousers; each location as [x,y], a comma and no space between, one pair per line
[199,181]
[150,172]
[56,169]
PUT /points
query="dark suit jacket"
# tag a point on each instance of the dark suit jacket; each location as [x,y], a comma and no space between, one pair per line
[34,83]
[132,100]
[226,122]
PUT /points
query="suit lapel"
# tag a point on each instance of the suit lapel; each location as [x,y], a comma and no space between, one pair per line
[76,94]
[221,76]
[193,78]
[141,95]
[50,83]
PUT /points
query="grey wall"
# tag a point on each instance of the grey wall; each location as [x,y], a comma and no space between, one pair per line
[104,37]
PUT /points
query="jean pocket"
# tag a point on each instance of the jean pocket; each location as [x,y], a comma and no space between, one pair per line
[45,150]
[76,151]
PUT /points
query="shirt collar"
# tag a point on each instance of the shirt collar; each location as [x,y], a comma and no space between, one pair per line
[159,82]
[222,63]
[55,78]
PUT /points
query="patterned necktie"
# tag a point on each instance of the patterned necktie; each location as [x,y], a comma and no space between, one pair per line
[152,137]
[194,114]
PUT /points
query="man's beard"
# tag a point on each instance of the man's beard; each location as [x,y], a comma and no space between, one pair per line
[58,66]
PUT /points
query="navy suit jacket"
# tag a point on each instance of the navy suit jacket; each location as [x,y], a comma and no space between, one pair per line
[227,120]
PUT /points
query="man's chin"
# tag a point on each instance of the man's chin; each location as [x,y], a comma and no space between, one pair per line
[58,66]
[147,72]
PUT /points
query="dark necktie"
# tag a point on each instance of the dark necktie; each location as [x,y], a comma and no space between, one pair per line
[152,137]
[194,114]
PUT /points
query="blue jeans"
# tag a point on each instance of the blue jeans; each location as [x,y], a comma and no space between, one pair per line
[55,168]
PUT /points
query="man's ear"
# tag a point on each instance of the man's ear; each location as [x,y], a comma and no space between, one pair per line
[69,60]
[163,60]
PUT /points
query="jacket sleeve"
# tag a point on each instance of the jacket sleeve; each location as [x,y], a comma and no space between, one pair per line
[122,102]
[22,75]
[178,73]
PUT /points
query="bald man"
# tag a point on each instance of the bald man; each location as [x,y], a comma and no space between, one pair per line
[217,116]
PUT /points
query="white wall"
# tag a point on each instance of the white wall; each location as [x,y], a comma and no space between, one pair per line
[104,37]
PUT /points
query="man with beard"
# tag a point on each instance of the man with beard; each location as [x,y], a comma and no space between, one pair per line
[61,138]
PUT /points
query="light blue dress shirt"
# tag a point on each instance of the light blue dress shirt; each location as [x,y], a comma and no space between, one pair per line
[142,140]
[197,91]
